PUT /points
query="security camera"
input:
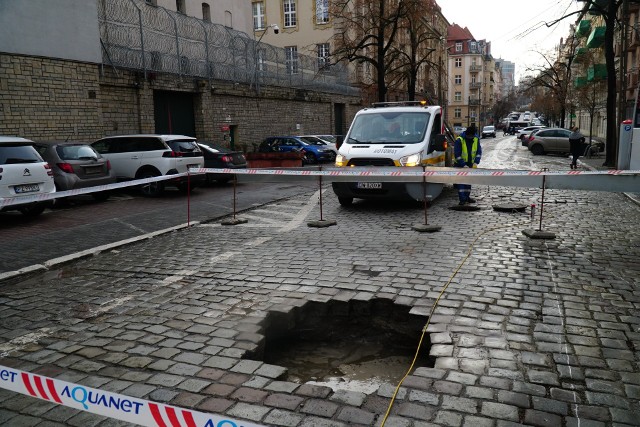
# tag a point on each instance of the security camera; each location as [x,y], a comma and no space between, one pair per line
[276,29]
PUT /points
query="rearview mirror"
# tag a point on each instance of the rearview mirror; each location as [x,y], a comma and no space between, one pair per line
[440,143]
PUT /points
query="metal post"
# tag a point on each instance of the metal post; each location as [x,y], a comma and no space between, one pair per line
[175,27]
[235,180]
[424,193]
[188,198]
[542,201]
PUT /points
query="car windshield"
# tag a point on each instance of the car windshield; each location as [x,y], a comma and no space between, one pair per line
[212,147]
[76,152]
[11,154]
[384,127]
[328,138]
[312,140]
[183,145]
[488,128]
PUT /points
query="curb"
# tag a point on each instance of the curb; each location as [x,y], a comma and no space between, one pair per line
[54,262]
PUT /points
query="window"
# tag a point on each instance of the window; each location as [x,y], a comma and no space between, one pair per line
[261,55]
[473,47]
[291,56]
[151,2]
[458,79]
[323,55]
[458,62]
[228,19]
[258,15]
[457,113]
[322,11]
[472,113]
[206,12]
[458,47]
[180,7]
[289,8]
[458,96]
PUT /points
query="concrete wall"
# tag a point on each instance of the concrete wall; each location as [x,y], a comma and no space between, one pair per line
[65,29]
[56,99]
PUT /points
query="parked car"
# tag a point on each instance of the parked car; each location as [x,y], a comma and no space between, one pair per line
[314,151]
[76,165]
[146,156]
[23,173]
[556,140]
[459,129]
[527,131]
[489,131]
[217,156]
[328,140]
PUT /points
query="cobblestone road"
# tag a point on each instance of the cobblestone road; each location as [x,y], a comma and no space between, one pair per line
[535,332]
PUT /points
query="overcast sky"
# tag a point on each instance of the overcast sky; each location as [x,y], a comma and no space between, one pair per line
[507,24]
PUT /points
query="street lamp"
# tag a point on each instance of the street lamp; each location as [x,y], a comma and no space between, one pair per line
[257,59]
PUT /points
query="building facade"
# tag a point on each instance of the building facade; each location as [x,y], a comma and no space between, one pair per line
[472,78]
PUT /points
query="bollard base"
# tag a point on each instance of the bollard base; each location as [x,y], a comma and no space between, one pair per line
[538,234]
[234,221]
[424,228]
[467,208]
[510,207]
[322,223]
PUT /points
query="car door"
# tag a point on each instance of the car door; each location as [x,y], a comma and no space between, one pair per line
[122,155]
[562,141]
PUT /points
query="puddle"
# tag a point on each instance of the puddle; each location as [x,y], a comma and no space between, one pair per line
[348,346]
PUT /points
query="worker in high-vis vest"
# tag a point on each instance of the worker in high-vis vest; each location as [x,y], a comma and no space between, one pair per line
[467,152]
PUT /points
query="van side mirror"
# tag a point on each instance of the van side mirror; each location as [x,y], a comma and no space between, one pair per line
[440,143]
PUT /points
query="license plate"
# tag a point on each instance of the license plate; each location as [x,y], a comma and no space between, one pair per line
[369,185]
[93,170]
[27,188]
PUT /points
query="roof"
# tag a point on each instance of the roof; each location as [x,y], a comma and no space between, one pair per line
[164,137]
[455,33]
[14,139]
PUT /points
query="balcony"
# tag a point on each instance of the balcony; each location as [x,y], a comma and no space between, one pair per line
[475,85]
[475,68]
[474,101]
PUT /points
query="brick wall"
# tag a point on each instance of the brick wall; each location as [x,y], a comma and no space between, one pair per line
[45,98]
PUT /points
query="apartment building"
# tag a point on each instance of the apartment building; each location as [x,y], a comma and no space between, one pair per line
[473,78]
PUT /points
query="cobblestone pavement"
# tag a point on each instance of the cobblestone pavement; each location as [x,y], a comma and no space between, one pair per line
[535,332]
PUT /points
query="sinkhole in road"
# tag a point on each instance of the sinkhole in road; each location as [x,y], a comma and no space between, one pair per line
[355,345]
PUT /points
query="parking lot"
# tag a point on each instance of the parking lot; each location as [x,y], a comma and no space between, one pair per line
[534,332]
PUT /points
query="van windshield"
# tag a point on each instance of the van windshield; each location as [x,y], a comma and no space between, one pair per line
[386,127]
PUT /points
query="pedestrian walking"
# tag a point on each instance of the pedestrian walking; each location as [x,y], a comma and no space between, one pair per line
[576,142]
[467,152]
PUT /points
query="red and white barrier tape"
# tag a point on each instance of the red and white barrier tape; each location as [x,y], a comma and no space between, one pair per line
[610,180]
[112,405]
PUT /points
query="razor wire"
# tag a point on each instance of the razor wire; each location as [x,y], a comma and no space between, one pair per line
[139,36]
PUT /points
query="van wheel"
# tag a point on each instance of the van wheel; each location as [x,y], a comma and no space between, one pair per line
[537,150]
[100,196]
[151,189]
[32,210]
[345,201]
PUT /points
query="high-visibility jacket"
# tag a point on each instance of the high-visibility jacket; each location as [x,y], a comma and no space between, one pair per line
[462,155]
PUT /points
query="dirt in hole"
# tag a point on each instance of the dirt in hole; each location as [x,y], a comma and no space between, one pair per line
[351,346]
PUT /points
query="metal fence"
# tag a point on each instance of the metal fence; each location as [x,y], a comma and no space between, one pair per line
[139,36]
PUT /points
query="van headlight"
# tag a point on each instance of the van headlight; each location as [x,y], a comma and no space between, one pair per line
[341,160]
[411,160]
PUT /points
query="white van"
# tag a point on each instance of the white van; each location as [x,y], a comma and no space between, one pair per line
[409,134]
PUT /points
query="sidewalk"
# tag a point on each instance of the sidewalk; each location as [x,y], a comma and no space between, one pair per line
[595,163]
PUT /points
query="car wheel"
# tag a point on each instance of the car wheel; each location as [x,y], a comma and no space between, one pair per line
[32,210]
[151,189]
[100,196]
[310,159]
[345,201]
[537,150]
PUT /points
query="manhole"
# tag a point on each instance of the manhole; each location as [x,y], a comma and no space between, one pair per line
[346,345]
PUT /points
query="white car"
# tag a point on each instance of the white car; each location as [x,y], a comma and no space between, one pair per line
[23,173]
[146,156]
[521,133]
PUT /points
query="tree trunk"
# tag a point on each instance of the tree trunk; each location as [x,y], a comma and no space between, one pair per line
[609,54]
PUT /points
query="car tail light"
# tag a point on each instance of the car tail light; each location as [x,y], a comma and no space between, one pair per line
[108,165]
[227,158]
[48,169]
[65,167]
[531,138]
[171,154]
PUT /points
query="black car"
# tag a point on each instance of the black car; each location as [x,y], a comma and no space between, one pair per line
[219,157]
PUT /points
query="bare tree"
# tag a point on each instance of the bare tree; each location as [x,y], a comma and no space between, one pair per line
[609,10]
[366,34]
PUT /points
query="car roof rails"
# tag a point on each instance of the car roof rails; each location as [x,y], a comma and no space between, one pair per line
[400,104]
